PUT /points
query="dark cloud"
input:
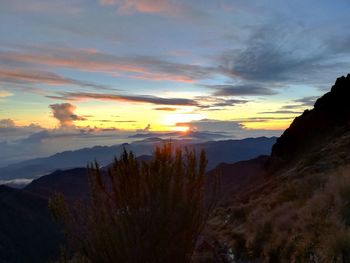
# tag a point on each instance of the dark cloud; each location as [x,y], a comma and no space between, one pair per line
[281,112]
[262,119]
[305,102]
[64,113]
[128,98]
[165,109]
[240,90]
[282,53]
[264,62]
[214,103]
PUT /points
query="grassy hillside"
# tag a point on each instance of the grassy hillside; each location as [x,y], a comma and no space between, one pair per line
[300,210]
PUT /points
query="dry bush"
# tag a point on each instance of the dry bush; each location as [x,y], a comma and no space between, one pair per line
[142,212]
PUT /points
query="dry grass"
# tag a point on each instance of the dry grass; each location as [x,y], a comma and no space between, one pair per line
[305,219]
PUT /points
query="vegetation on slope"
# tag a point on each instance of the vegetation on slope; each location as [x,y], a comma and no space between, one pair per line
[148,212]
[300,211]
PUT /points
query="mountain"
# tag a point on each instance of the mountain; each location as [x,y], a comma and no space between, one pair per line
[235,177]
[25,223]
[217,151]
[69,159]
[298,211]
[72,183]
[329,119]
[68,181]
[27,233]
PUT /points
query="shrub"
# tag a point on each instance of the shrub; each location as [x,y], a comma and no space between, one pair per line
[139,212]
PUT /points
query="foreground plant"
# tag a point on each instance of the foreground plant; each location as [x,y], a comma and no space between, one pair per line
[139,212]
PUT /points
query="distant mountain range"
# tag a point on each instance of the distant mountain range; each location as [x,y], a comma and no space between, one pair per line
[228,151]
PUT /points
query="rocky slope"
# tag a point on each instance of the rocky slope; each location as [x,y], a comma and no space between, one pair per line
[299,212]
[329,119]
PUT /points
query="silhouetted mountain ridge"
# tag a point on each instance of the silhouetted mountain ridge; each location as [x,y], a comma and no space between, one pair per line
[297,210]
[329,118]
[217,151]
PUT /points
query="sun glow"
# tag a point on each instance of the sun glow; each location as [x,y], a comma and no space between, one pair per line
[177,122]
[183,129]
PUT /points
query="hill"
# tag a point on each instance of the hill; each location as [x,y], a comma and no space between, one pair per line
[299,212]
[329,119]
[27,233]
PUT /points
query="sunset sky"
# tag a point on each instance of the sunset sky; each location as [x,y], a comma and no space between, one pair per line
[98,66]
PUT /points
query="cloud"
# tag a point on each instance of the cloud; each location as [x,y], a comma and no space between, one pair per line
[165,109]
[165,7]
[64,113]
[127,98]
[4,94]
[229,128]
[26,76]
[262,119]
[114,121]
[214,103]
[281,52]
[263,60]
[18,143]
[43,6]
[212,125]
[305,102]
[9,130]
[139,67]
[281,112]
[7,123]
[240,90]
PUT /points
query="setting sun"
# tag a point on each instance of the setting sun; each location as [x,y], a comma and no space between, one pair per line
[177,120]
[183,129]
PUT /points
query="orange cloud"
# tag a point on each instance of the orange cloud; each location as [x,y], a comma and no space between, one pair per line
[4,93]
[167,7]
[64,113]
[126,98]
[165,109]
[139,67]
[25,76]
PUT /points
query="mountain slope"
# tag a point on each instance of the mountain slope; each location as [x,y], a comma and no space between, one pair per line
[299,212]
[235,177]
[27,233]
[72,183]
[329,118]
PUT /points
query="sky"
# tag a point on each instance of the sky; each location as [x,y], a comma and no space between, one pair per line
[76,73]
